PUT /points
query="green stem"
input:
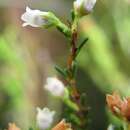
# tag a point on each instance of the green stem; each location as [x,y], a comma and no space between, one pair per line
[75,24]
[64,29]
[71,104]
[59,25]
[125,125]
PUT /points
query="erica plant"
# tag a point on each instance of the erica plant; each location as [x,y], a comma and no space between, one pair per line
[76,113]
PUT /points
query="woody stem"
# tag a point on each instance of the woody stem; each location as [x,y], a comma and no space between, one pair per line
[71,60]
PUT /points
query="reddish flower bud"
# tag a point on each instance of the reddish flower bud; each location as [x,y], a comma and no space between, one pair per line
[62,125]
[120,107]
[12,126]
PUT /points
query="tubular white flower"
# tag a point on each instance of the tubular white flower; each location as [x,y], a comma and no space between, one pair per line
[84,6]
[55,86]
[34,18]
[44,118]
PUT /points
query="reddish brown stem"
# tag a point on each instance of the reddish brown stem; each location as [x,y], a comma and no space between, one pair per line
[71,79]
[74,93]
[73,50]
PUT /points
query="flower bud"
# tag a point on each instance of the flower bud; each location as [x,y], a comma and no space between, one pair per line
[55,87]
[12,126]
[44,118]
[36,18]
[120,107]
[62,125]
[84,7]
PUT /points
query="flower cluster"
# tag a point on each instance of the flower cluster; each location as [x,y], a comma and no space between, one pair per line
[120,107]
[45,117]
[37,18]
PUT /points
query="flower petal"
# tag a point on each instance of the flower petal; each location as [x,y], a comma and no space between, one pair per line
[25,24]
[28,9]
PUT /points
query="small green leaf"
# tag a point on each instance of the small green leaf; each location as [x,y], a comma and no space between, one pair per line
[72,105]
[75,119]
[64,29]
[61,71]
[72,15]
[30,128]
[81,46]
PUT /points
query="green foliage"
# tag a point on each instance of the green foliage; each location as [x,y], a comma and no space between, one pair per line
[61,71]
[11,87]
[104,60]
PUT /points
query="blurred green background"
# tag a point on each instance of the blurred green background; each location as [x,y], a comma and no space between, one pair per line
[28,55]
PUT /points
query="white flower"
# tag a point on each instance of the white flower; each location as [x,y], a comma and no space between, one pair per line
[78,3]
[89,4]
[44,118]
[84,6]
[34,18]
[55,86]
[110,127]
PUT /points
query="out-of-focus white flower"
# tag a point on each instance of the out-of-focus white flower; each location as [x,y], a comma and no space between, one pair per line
[84,6]
[55,87]
[110,127]
[44,118]
[34,18]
